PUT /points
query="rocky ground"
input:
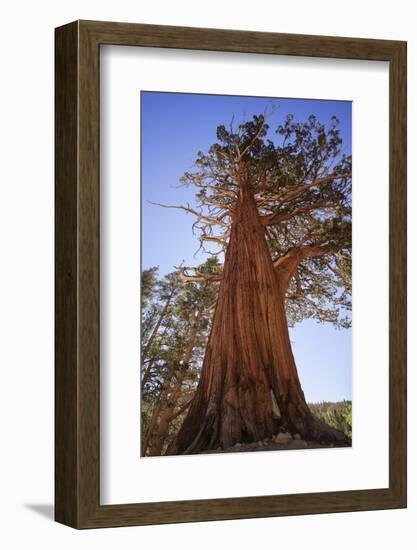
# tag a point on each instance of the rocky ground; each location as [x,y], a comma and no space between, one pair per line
[281,442]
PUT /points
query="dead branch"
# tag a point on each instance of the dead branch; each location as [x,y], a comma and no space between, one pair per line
[198,277]
[200,216]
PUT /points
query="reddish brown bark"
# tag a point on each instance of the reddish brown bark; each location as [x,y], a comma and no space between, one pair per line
[248,356]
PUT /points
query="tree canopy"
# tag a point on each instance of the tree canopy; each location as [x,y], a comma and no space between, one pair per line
[301,182]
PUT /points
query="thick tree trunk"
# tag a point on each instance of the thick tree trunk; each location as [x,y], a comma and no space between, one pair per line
[248,368]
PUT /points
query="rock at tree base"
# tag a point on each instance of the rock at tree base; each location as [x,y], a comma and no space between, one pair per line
[280,442]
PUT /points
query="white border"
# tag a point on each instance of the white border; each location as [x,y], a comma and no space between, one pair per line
[126,478]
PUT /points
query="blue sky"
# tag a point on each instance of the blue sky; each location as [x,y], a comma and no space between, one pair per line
[173,128]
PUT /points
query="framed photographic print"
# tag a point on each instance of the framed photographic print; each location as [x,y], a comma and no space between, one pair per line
[230,274]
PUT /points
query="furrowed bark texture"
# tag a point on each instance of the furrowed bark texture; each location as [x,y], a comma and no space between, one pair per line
[248,361]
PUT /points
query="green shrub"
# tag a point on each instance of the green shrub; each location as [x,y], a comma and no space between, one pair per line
[337,415]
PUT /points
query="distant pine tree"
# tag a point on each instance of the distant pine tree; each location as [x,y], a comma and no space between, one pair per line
[181,314]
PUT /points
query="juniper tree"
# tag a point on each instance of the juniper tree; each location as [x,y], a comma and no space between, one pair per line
[280,212]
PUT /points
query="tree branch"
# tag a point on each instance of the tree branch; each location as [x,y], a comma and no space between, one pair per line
[202,217]
[297,190]
[180,410]
[277,218]
[199,276]
[286,265]
[256,136]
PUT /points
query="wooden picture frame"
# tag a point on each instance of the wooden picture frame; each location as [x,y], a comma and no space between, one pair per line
[77,382]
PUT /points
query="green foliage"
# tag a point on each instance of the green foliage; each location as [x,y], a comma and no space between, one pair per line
[172,351]
[148,282]
[337,415]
